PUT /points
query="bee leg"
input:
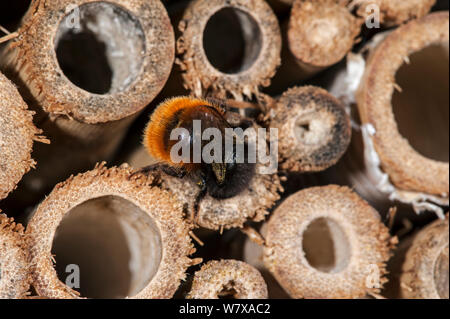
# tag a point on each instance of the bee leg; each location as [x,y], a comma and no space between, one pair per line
[146,170]
[172,171]
[200,196]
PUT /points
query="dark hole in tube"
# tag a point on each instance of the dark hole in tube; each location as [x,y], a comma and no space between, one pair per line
[326,246]
[232,40]
[11,12]
[100,47]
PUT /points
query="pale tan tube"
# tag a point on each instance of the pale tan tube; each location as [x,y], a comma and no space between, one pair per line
[253,255]
[127,237]
[17,134]
[249,59]
[15,275]
[422,167]
[424,269]
[314,129]
[394,12]
[87,68]
[327,242]
[228,279]
[319,34]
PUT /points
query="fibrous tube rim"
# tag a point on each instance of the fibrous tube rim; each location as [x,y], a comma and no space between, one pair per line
[327,37]
[17,133]
[166,213]
[215,276]
[15,275]
[369,241]
[418,278]
[201,76]
[404,165]
[327,138]
[34,54]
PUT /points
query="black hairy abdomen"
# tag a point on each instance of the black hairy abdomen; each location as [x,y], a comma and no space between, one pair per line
[237,180]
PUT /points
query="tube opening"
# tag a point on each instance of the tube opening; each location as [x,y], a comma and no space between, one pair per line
[100,47]
[313,128]
[232,40]
[228,291]
[441,274]
[422,108]
[107,247]
[326,246]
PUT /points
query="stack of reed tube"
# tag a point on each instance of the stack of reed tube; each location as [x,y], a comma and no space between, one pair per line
[129,220]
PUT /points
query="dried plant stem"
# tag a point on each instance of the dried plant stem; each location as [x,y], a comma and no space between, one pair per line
[87,73]
[406,167]
[15,276]
[421,264]
[136,234]
[394,12]
[17,133]
[314,129]
[319,34]
[253,252]
[326,242]
[8,37]
[246,63]
[228,278]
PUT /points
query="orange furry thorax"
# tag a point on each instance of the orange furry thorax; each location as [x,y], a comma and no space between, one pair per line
[161,122]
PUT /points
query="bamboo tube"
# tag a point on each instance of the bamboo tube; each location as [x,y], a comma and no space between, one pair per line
[425,270]
[87,68]
[419,268]
[314,129]
[228,279]
[17,133]
[252,253]
[15,277]
[138,240]
[326,242]
[11,12]
[418,166]
[319,34]
[228,48]
[394,12]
